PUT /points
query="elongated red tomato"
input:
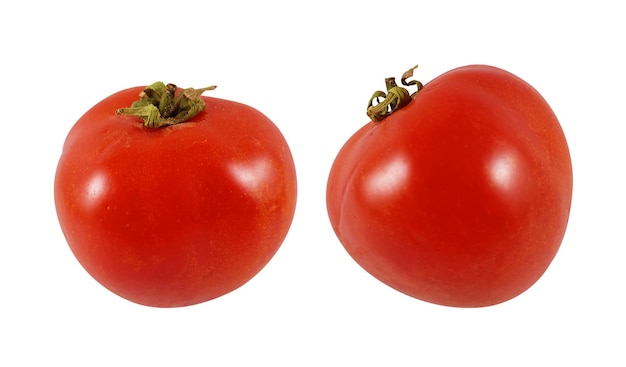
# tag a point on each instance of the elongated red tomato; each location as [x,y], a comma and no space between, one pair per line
[176,215]
[460,198]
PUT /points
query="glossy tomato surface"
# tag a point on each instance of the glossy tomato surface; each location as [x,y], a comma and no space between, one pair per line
[177,215]
[462,197]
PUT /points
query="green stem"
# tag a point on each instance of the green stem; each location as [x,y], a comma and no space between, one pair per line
[395,98]
[159,105]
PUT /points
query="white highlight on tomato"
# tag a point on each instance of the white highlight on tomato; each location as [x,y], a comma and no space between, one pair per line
[96,188]
[390,178]
[502,169]
[252,176]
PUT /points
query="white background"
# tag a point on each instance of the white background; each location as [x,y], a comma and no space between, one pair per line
[310,67]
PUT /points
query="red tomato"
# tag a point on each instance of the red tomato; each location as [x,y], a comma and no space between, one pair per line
[460,198]
[177,215]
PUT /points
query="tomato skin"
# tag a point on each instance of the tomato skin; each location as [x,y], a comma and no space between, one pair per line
[462,197]
[177,215]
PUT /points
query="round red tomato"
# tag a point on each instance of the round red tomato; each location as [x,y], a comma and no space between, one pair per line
[460,198]
[176,215]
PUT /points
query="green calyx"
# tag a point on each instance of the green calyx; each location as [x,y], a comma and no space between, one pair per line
[394,99]
[159,105]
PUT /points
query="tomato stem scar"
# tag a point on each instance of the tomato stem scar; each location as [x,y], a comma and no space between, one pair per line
[394,99]
[159,105]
